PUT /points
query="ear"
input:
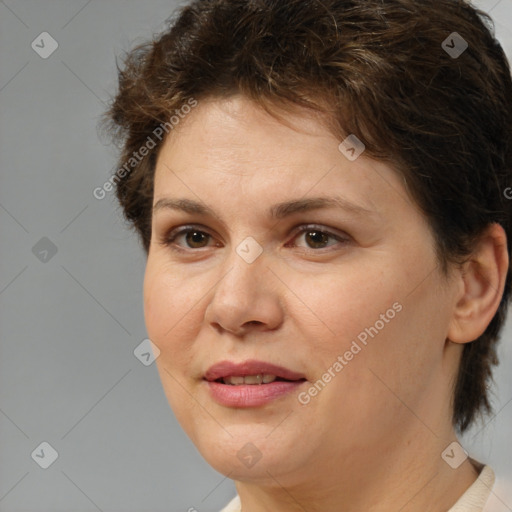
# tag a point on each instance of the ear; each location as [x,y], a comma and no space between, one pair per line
[482,279]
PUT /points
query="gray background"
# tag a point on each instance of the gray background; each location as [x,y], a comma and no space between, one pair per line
[69,324]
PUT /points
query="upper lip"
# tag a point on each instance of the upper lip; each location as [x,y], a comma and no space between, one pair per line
[251,367]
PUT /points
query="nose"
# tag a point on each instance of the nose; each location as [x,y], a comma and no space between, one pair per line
[246,298]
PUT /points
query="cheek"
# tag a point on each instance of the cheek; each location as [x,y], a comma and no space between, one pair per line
[398,358]
[156,302]
[339,306]
[171,323]
[165,305]
[367,314]
[173,317]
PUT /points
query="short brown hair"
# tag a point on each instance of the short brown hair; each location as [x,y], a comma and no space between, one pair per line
[378,69]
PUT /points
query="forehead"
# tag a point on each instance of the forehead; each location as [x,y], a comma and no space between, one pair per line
[232,146]
[235,133]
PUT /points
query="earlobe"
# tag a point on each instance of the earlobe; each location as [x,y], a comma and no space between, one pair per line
[483,278]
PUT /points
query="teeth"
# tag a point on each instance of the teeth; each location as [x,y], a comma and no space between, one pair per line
[253,379]
[233,380]
[236,380]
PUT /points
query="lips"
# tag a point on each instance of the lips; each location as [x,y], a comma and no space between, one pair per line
[226,369]
[251,384]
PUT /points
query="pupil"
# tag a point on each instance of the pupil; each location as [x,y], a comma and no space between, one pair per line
[319,236]
[192,237]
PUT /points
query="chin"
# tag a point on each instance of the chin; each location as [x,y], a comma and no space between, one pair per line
[254,468]
[250,455]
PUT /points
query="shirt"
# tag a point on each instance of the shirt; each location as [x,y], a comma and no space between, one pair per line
[473,500]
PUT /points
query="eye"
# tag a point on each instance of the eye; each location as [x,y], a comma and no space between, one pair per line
[194,237]
[318,238]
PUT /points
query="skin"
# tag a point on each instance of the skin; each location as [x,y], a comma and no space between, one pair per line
[372,438]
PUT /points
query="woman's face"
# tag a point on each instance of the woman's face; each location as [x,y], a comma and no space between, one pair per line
[346,298]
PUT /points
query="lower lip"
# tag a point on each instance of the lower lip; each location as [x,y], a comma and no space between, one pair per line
[251,395]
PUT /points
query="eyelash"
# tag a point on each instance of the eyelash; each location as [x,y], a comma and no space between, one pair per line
[168,240]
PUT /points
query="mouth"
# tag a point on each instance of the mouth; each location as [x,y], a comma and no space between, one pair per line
[250,372]
[251,383]
[260,378]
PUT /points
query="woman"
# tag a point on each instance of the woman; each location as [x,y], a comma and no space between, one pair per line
[320,188]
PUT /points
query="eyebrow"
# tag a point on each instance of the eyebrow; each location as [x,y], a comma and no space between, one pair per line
[277,211]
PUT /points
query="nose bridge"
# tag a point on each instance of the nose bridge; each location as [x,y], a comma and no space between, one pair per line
[246,266]
[241,296]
